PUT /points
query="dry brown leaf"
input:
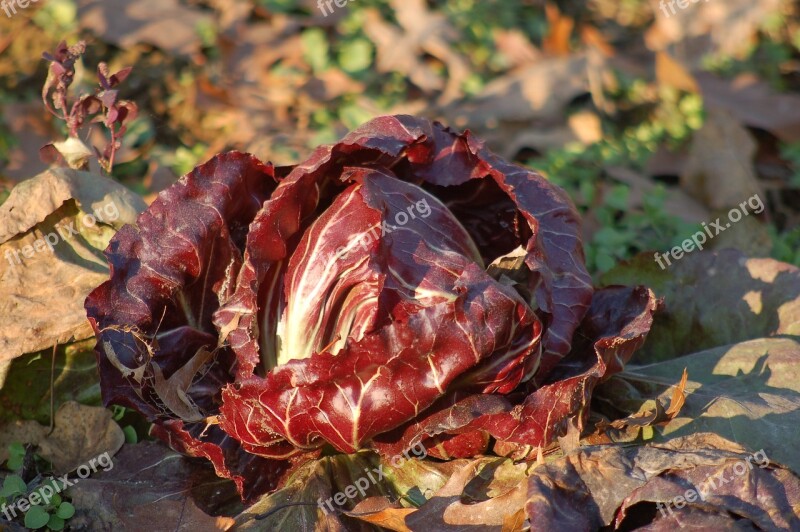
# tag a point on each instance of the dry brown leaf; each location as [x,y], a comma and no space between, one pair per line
[81,433]
[446,509]
[540,92]
[510,269]
[421,31]
[720,170]
[71,153]
[149,488]
[378,511]
[582,127]
[515,521]
[527,108]
[651,413]
[166,24]
[678,396]
[54,205]
[231,14]
[748,235]
[4,367]
[727,27]
[586,126]
[33,200]
[560,30]
[20,431]
[605,485]
[668,161]
[670,73]
[515,47]
[571,441]
[172,391]
[331,84]
[594,38]
[754,103]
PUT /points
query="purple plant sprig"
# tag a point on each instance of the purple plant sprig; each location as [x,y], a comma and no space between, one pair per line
[104,106]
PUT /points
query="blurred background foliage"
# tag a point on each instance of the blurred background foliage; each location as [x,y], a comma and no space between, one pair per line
[605,98]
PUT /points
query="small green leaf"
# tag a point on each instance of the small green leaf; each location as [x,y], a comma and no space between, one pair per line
[604,261]
[355,55]
[13,485]
[65,511]
[16,449]
[55,523]
[315,49]
[15,462]
[353,116]
[130,434]
[36,517]
[55,500]
[618,197]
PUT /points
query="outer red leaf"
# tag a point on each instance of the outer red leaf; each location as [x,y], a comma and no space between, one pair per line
[168,277]
[615,327]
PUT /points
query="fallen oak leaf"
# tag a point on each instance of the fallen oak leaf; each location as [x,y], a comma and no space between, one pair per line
[446,510]
[754,103]
[747,393]
[753,298]
[420,32]
[380,512]
[75,214]
[720,170]
[147,480]
[678,396]
[81,434]
[602,485]
[515,521]
[173,390]
[168,25]
[650,414]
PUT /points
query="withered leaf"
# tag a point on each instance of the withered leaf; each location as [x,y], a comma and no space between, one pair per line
[748,393]
[75,214]
[169,25]
[713,299]
[147,482]
[81,433]
[621,485]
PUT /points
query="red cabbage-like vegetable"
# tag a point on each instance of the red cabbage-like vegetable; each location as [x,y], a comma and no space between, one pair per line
[257,314]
